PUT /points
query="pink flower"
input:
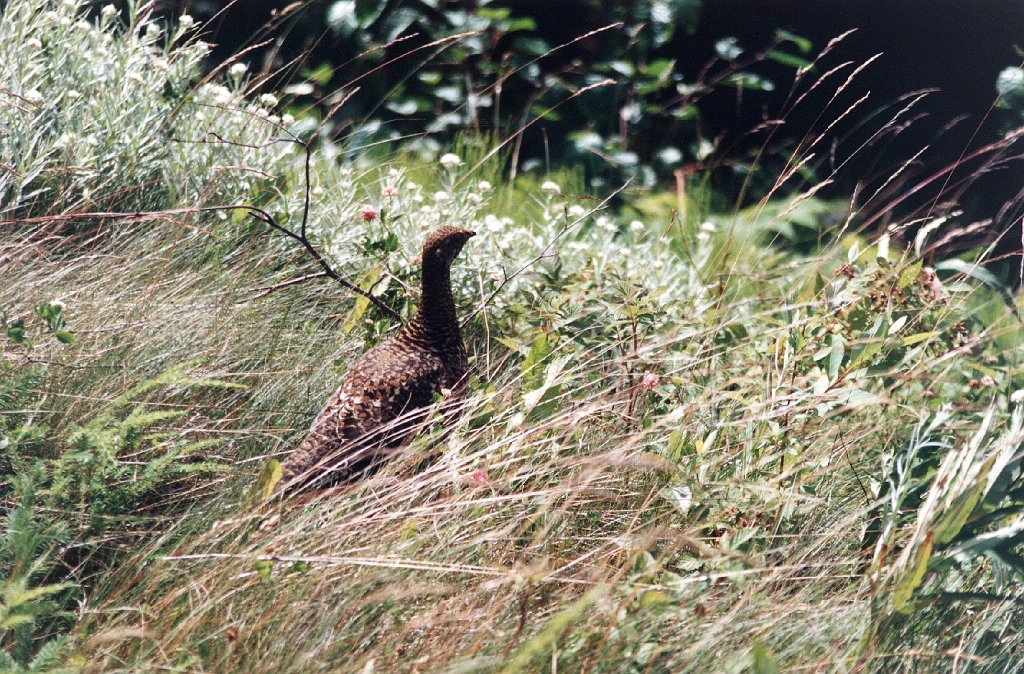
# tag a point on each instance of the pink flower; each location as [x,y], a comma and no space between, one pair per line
[650,380]
[389,191]
[369,213]
[479,478]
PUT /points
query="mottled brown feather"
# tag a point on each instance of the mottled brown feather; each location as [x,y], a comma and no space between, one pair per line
[384,395]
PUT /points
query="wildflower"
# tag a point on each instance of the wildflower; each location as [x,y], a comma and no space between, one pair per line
[73,95]
[34,43]
[318,191]
[988,381]
[440,197]
[474,198]
[185,21]
[108,11]
[479,478]
[484,187]
[576,211]
[636,226]
[450,161]
[58,305]
[389,191]
[152,31]
[67,140]
[492,223]
[1017,396]
[287,120]
[220,95]
[650,381]
[550,187]
[268,101]
[237,70]
[933,291]
[369,213]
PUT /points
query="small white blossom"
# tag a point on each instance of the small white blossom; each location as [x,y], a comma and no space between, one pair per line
[82,24]
[108,11]
[287,120]
[636,226]
[34,43]
[1017,396]
[73,95]
[237,70]
[576,211]
[152,31]
[493,223]
[268,100]
[708,226]
[33,96]
[58,305]
[185,21]
[474,198]
[441,197]
[67,139]
[65,21]
[551,187]
[219,94]
[450,161]
[484,187]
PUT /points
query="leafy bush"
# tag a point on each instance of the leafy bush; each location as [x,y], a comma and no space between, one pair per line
[100,116]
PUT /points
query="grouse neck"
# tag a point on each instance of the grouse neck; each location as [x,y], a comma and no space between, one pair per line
[436,316]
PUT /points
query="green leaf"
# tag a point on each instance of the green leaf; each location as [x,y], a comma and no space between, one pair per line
[764,661]
[910,340]
[787,59]
[64,337]
[913,576]
[971,270]
[802,43]
[362,303]
[909,275]
[16,331]
[264,568]
[835,361]
[266,481]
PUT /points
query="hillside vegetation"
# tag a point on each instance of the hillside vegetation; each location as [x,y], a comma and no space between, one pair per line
[689,444]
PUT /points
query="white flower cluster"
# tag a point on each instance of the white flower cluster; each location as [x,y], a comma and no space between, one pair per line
[88,93]
[597,246]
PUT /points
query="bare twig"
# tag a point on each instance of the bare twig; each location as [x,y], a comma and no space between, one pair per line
[255,211]
[267,290]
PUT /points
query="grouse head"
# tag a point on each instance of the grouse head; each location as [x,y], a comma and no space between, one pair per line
[444,245]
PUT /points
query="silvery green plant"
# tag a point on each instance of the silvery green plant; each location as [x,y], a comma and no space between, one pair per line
[107,114]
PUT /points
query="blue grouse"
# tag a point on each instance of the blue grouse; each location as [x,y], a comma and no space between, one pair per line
[383,397]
